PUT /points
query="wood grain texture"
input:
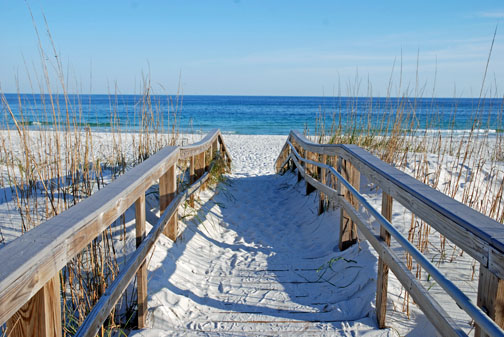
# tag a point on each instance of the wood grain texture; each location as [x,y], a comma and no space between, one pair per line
[201,146]
[282,157]
[311,171]
[323,176]
[328,149]
[348,229]
[430,307]
[382,277]
[225,152]
[490,298]
[192,178]
[210,141]
[318,185]
[31,260]
[41,315]
[167,192]
[215,147]
[142,271]
[472,231]
[491,286]
[101,310]
[200,165]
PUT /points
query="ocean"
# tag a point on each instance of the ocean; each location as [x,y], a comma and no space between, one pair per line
[251,114]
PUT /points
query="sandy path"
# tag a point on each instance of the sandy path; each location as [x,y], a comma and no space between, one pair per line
[255,260]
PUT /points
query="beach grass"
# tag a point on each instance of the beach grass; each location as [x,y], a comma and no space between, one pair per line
[50,168]
[466,165]
[54,164]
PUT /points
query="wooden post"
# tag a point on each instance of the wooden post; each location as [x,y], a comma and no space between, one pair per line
[309,171]
[142,271]
[490,298]
[208,158]
[167,191]
[323,173]
[41,315]
[307,166]
[348,229]
[207,161]
[200,164]
[215,146]
[202,167]
[382,280]
[281,159]
[223,153]
[192,179]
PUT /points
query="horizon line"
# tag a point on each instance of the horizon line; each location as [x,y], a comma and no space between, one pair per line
[248,95]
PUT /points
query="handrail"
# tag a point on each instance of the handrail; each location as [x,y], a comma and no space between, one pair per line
[102,308]
[484,232]
[451,289]
[194,149]
[354,155]
[29,262]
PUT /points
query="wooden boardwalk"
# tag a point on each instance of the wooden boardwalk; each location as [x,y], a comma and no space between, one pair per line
[260,257]
[248,269]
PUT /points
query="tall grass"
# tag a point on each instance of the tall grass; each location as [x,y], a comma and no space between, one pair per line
[467,166]
[53,162]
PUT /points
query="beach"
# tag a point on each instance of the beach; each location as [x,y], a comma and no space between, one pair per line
[244,168]
[253,182]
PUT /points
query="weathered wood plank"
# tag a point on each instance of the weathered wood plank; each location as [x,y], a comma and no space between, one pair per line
[464,226]
[348,229]
[215,146]
[328,149]
[142,271]
[31,260]
[192,178]
[311,170]
[42,252]
[41,315]
[472,244]
[202,165]
[332,194]
[472,231]
[167,192]
[382,277]
[483,247]
[225,151]
[280,162]
[430,307]
[323,174]
[490,298]
[201,146]
[113,293]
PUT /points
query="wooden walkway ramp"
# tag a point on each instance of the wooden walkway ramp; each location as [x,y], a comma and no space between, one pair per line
[258,256]
[259,265]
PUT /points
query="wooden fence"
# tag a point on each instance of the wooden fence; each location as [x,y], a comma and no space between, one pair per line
[30,300]
[325,166]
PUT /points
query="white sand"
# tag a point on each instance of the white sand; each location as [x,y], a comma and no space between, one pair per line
[247,264]
[246,261]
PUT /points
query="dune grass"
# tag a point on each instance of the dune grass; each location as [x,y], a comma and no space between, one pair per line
[465,165]
[54,163]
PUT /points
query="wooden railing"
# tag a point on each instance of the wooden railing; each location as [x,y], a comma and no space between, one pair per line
[29,284]
[334,170]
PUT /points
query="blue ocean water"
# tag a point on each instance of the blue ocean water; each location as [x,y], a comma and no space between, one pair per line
[252,114]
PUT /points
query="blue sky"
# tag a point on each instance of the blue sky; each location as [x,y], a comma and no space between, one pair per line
[258,47]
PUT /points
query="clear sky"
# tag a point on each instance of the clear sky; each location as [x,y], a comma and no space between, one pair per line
[256,47]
